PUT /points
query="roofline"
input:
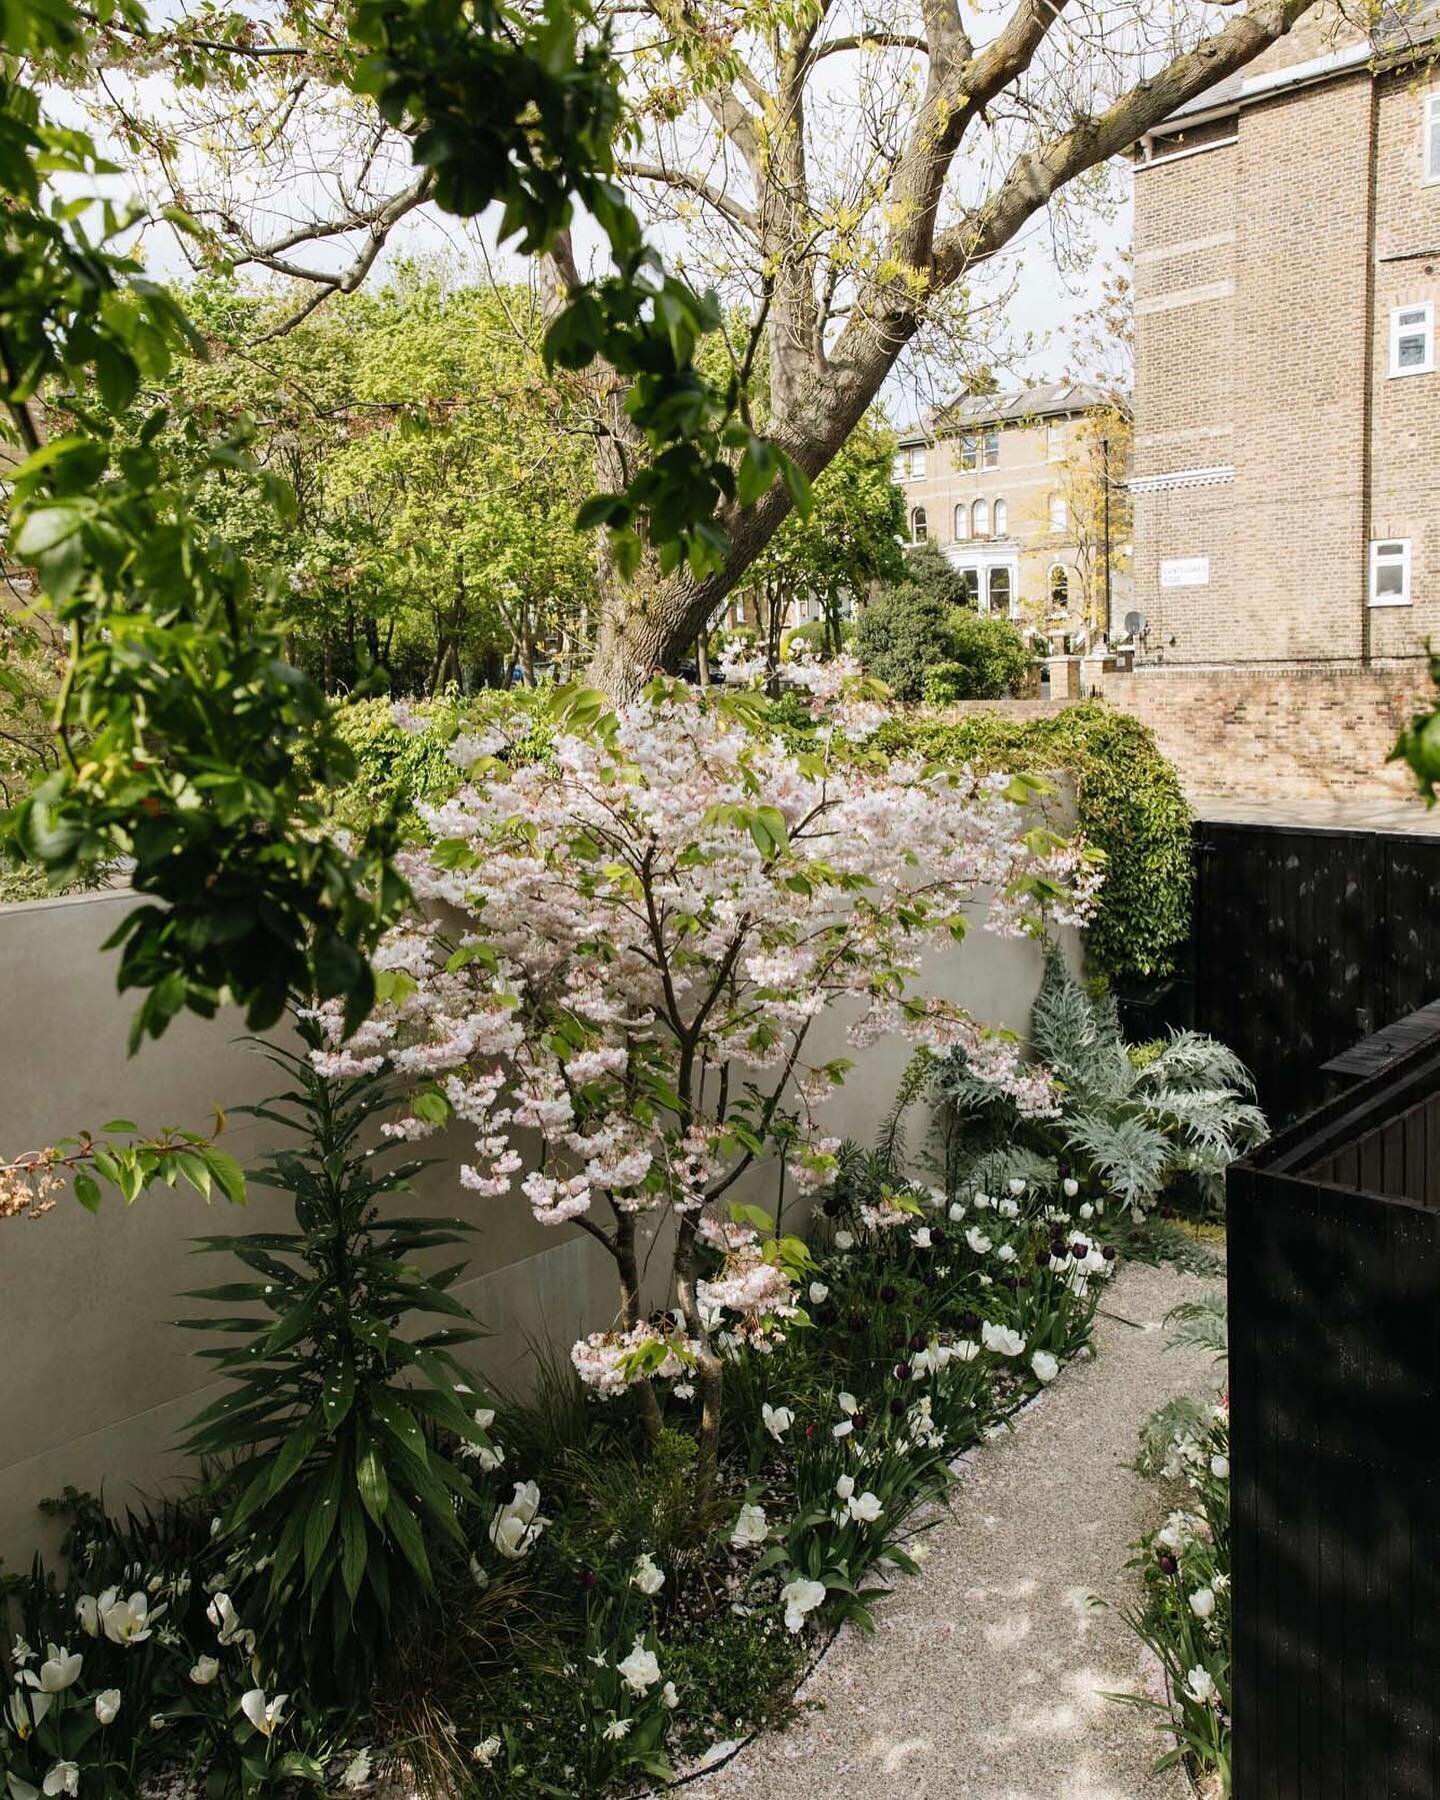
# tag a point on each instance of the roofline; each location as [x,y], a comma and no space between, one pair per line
[1258,88]
[919,434]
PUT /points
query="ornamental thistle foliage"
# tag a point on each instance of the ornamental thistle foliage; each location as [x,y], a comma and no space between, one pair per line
[1141,1117]
[643,929]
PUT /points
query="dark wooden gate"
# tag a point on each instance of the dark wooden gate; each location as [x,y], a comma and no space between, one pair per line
[1334,1276]
[1305,939]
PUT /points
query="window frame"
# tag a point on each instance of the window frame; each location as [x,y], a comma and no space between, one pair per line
[1058,505]
[1430,144]
[1406,596]
[969,452]
[919,525]
[990,447]
[1061,611]
[1398,333]
[960,525]
[1055,440]
[976,529]
[1000,518]
[1000,572]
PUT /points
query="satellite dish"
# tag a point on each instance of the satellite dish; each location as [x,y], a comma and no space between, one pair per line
[1136,624]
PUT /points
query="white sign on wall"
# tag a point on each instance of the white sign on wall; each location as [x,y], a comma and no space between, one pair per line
[1185,571]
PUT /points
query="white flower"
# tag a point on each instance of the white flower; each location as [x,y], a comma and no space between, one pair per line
[357,1770]
[640,1670]
[684,1390]
[1200,1687]
[1202,1603]
[751,1527]
[843,1429]
[1087,1211]
[1017,1186]
[818,1292]
[717,1752]
[668,1696]
[20,1790]
[479,1574]
[129,1621]
[484,1418]
[485,1753]
[1002,1340]
[866,1507]
[1220,1467]
[847,1403]
[845,1486]
[843,1240]
[24,1718]
[615,1730]
[205,1669]
[223,1616]
[801,1596]
[516,1526]
[59,1671]
[265,1715]
[981,1202]
[107,1706]
[1008,1209]
[1071,1186]
[977,1240]
[965,1351]
[920,1237]
[489,1456]
[778,1420]
[957,1209]
[88,1610]
[64,1778]
[1006,1253]
[648,1576]
[1045,1366]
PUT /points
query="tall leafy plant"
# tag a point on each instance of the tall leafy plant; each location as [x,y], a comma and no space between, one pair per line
[1133,1120]
[337,1485]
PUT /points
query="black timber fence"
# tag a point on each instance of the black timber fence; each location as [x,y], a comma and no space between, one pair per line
[1334,1279]
[1303,940]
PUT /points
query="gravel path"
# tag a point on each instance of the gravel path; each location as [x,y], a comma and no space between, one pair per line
[985,1679]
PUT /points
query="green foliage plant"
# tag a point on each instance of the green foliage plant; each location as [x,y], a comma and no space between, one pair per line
[337,1413]
[901,635]
[1129,804]
[988,657]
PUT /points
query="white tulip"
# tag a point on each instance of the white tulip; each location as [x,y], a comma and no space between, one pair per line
[866,1507]
[977,1240]
[107,1706]
[20,1790]
[778,1420]
[204,1670]
[223,1616]
[648,1576]
[64,1778]
[265,1715]
[920,1237]
[60,1671]
[843,1240]
[516,1526]
[1220,1467]
[1202,1603]
[957,1209]
[845,1486]
[801,1596]
[1087,1211]
[1002,1340]
[486,1752]
[129,1621]
[1006,1253]
[640,1671]
[1017,1186]
[668,1696]
[847,1403]
[818,1292]
[485,1417]
[751,1527]
[1200,1687]
[965,1351]
[1045,1365]
[1072,1187]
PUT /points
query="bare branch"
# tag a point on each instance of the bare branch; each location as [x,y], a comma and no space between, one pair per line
[693,184]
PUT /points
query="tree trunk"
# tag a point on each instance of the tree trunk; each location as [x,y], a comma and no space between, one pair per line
[628,1263]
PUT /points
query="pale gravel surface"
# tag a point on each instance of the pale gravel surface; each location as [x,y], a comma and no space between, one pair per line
[985,1678]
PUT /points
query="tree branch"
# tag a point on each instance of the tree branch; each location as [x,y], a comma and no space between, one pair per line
[693,184]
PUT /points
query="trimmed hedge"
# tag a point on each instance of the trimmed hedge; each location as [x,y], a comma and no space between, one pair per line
[1130,805]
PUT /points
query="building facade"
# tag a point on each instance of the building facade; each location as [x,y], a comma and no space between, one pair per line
[1012,487]
[1287,416]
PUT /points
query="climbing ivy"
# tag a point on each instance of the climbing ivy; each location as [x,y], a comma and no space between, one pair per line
[1129,803]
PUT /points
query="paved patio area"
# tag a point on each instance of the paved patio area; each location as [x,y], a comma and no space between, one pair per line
[986,1680]
[1335,815]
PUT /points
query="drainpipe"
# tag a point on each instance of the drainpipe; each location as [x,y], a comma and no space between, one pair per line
[1367,411]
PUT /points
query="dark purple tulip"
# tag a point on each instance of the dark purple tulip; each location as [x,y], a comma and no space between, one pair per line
[589,1580]
[917,1340]
[1168,1564]
[856,1322]
[1079,1251]
[902,1371]
[833,1206]
[1042,1258]
[897,1408]
[862,1419]
[969,1321]
[889,1295]
[1108,1253]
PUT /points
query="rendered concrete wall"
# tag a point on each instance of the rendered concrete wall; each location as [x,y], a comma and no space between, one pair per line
[96,1382]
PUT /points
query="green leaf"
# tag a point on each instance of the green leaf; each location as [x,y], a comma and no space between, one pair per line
[87,1191]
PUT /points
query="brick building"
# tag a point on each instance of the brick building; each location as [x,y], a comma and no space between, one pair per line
[1286,476]
[1010,486]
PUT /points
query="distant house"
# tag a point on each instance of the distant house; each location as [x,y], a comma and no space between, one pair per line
[1018,489]
[1287,411]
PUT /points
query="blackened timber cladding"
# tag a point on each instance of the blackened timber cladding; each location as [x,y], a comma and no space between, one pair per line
[1334,1277]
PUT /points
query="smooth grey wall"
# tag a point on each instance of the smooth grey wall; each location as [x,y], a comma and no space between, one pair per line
[96,1383]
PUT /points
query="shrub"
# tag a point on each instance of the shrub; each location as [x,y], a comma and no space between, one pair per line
[988,657]
[1131,1123]
[1129,805]
[900,636]
[335,1491]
